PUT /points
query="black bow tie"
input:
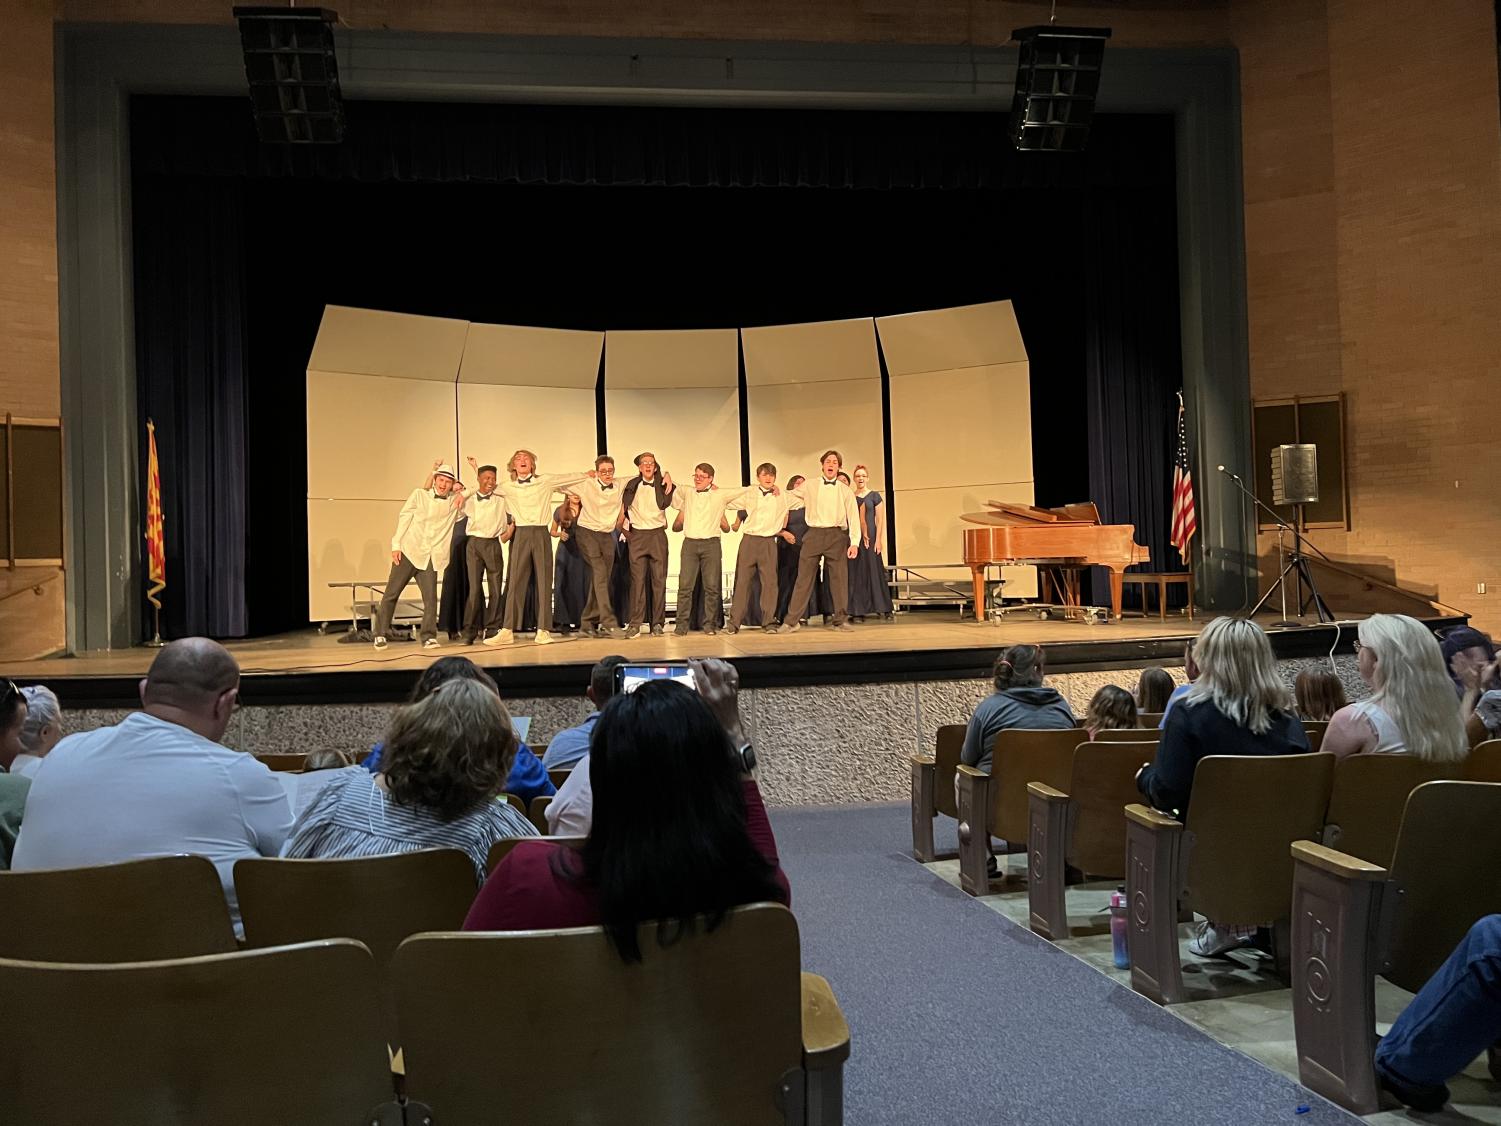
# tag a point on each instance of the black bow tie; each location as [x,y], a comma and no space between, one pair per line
[833,482]
[703,490]
[605,488]
[523,480]
[483,496]
[766,492]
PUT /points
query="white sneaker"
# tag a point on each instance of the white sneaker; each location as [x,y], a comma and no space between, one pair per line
[1212,941]
[431,643]
[543,637]
[500,637]
[380,642]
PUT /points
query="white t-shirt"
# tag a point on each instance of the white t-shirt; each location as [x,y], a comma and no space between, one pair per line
[151,788]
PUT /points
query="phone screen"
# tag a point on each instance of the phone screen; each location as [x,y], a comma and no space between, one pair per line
[630,677]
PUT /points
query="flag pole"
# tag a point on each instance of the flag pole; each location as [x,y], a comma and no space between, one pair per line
[155,552]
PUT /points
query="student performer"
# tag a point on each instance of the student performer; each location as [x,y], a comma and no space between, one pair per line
[570,576]
[763,523]
[488,522]
[601,515]
[870,590]
[529,495]
[701,558]
[646,540]
[419,549]
[833,537]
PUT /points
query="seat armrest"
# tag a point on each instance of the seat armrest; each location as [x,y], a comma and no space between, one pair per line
[924,760]
[969,772]
[1044,792]
[1151,819]
[826,1034]
[1336,863]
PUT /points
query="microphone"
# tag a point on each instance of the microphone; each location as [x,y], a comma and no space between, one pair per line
[1227,473]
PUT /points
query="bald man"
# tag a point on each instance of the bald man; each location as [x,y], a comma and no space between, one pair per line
[160,782]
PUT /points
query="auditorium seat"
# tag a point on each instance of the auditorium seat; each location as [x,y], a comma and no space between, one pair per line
[995,804]
[378,900]
[1366,803]
[933,787]
[721,1027]
[1315,729]
[1232,865]
[136,911]
[1149,719]
[515,802]
[1484,763]
[558,775]
[1353,919]
[1082,827]
[537,814]
[1128,735]
[283,762]
[290,1036]
[501,847]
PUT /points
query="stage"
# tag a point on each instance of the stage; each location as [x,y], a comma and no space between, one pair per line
[304,667]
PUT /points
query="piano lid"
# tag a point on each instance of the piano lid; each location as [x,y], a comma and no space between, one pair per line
[1003,512]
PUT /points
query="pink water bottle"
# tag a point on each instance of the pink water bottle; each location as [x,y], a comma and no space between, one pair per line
[1118,928]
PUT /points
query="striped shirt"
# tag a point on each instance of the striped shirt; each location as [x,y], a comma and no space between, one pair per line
[355,817]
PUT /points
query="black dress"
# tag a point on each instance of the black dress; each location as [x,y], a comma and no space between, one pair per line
[870,590]
[571,577]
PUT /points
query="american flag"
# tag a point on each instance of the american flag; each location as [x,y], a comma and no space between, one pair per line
[1185,524]
[156,547]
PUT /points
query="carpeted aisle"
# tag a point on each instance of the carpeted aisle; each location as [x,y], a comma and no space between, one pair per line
[959,1016]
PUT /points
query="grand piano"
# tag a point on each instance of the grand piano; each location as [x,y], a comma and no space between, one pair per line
[1060,540]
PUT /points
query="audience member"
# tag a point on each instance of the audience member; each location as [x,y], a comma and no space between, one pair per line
[1153,688]
[572,743]
[159,782]
[1020,700]
[320,769]
[679,829]
[1453,1018]
[1239,705]
[1480,706]
[1110,709]
[1318,693]
[41,731]
[528,778]
[1411,708]
[13,786]
[445,762]
[1191,671]
[1463,649]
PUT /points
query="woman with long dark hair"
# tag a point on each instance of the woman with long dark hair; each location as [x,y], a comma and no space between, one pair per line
[679,831]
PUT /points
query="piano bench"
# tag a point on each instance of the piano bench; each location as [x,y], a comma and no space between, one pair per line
[1162,580]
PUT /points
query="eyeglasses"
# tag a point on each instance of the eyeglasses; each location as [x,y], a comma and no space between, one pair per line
[1358,646]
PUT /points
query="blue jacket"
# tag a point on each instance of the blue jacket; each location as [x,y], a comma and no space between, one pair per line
[527,779]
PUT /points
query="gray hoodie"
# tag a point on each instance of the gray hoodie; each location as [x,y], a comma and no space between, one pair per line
[1032,709]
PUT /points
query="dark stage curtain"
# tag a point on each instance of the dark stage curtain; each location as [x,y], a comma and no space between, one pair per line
[191,379]
[1133,368]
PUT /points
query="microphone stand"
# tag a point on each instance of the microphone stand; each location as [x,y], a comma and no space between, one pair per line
[1296,563]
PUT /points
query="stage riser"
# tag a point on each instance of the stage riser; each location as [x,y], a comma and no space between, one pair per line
[818,744]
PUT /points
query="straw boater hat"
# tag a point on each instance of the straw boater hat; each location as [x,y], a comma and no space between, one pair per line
[445,470]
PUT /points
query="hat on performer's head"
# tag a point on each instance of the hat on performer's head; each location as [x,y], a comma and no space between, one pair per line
[445,470]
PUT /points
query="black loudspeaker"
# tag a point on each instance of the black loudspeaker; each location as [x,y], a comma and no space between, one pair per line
[1057,78]
[294,78]
[1295,474]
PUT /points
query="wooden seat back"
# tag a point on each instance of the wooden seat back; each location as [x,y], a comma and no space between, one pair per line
[515,802]
[946,748]
[1103,784]
[705,1029]
[283,762]
[289,1035]
[501,848]
[1245,813]
[1128,735]
[1149,719]
[1484,763]
[1365,806]
[1315,729]
[137,911]
[558,775]
[1447,854]
[1019,757]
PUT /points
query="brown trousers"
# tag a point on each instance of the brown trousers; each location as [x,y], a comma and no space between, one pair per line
[757,556]
[598,550]
[647,549]
[832,545]
[531,551]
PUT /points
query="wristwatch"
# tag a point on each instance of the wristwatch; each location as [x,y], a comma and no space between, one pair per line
[747,756]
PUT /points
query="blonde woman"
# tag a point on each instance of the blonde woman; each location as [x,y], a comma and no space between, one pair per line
[1239,705]
[1411,709]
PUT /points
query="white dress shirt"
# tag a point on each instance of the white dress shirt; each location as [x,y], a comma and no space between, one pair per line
[148,787]
[830,506]
[765,511]
[487,515]
[702,511]
[530,498]
[571,811]
[644,513]
[425,528]
[599,505]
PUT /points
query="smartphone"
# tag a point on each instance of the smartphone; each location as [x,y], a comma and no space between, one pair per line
[632,675]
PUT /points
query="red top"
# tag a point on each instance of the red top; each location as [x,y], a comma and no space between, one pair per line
[524,893]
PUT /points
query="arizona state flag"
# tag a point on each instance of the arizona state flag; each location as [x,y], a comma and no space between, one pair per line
[156,549]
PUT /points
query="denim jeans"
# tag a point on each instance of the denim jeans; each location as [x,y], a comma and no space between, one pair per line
[1454,1017]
